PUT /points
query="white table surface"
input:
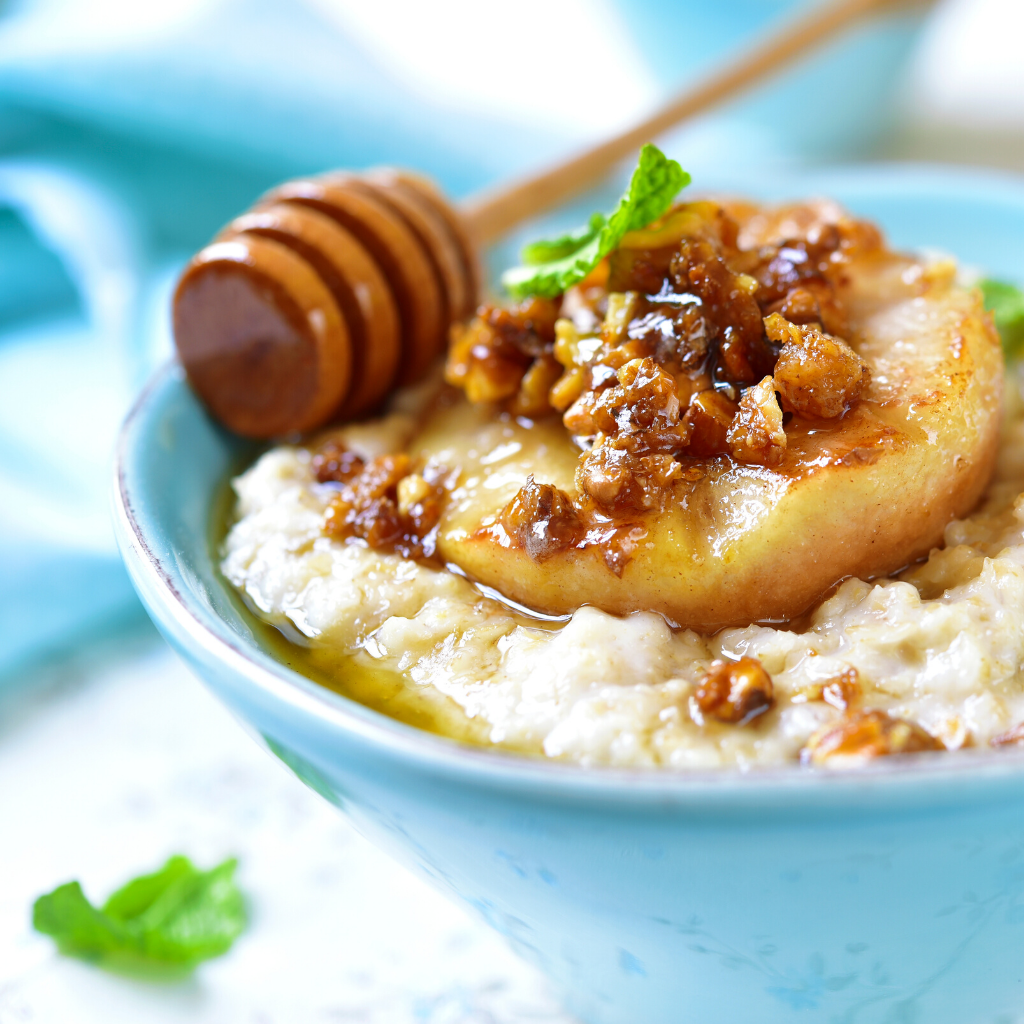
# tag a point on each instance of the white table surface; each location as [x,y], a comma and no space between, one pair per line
[118,758]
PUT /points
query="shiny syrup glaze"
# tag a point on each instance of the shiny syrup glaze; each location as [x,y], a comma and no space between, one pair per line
[351,675]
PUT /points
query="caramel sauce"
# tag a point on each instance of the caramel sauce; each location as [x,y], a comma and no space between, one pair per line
[865,437]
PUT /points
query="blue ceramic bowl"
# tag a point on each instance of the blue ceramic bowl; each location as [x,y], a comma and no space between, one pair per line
[893,894]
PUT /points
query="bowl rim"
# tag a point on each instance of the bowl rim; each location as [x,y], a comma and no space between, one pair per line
[942,772]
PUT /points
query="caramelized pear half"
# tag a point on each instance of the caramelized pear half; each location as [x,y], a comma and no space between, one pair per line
[861,497]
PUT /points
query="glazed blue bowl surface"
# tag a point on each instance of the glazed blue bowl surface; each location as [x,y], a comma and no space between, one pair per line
[884,896]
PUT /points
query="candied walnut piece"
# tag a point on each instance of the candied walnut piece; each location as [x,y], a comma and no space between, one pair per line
[864,735]
[676,334]
[567,389]
[800,306]
[479,364]
[728,302]
[816,374]
[377,478]
[734,361]
[639,270]
[644,398]
[813,302]
[333,462]
[736,692]
[388,506]
[756,433]
[649,396]
[797,262]
[639,431]
[709,413]
[531,400]
[841,691]
[489,356]
[795,272]
[615,541]
[622,307]
[591,413]
[618,476]
[541,520]
[412,490]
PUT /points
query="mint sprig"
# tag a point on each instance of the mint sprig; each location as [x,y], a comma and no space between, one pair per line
[175,917]
[1006,303]
[550,267]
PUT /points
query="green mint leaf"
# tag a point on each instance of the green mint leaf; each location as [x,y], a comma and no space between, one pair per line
[176,916]
[551,279]
[536,253]
[79,928]
[1006,303]
[550,267]
[655,183]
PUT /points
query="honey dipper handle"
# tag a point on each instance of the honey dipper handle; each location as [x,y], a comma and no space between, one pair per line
[491,213]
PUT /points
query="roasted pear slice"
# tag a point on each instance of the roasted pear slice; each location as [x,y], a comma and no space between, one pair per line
[861,496]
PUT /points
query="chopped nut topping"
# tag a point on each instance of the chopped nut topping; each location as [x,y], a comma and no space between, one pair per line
[709,414]
[335,463]
[662,357]
[813,302]
[863,735]
[645,398]
[622,308]
[638,430]
[567,389]
[728,303]
[388,506]
[735,692]
[816,374]
[489,357]
[756,434]
[532,400]
[841,691]
[541,520]
[800,306]
[617,476]
[670,352]
[412,490]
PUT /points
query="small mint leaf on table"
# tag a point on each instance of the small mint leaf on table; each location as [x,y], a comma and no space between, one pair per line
[1006,303]
[175,917]
[550,267]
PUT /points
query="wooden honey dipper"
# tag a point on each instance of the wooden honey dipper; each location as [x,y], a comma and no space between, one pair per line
[334,290]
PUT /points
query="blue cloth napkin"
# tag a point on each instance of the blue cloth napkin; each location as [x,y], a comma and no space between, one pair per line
[129,133]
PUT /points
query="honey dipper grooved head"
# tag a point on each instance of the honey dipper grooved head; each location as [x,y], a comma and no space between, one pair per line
[399,254]
[261,338]
[317,303]
[393,178]
[358,287]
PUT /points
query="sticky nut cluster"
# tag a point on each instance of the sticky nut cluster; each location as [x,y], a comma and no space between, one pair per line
[681,347]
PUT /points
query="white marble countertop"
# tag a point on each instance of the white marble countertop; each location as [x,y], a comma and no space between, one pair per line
[118,758]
